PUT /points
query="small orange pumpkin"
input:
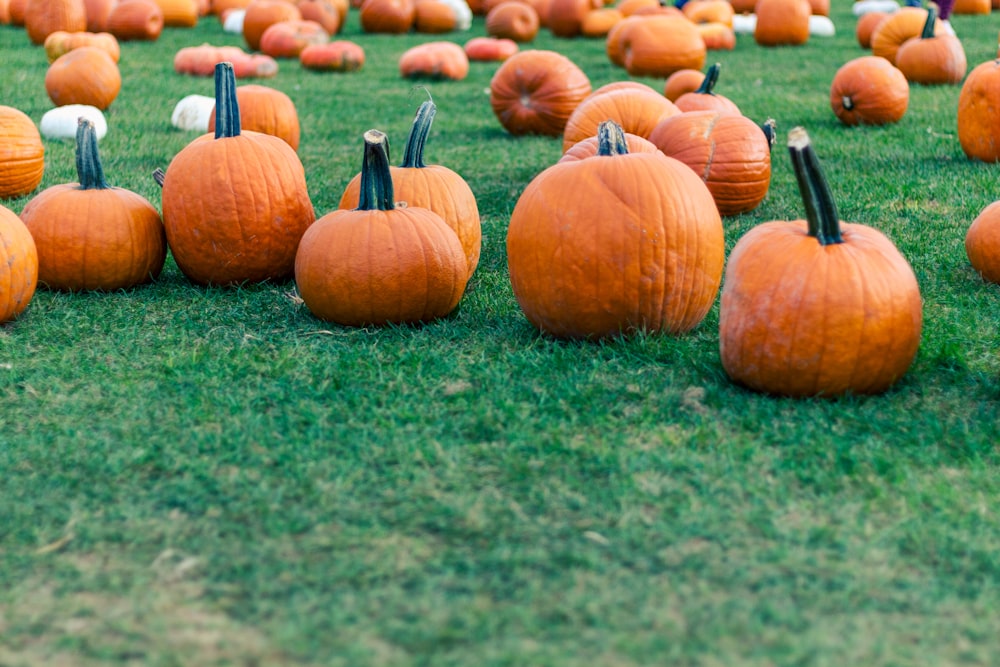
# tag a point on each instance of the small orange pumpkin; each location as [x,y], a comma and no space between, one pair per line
[817,307]
[433,17]
[490,49]
[931,59]
[704,98]
[682,81]
[434,60]
[261,15]
[636,109]
[782,22]
[286,39]
[268,111]
[535,91]
[139,20]
[330,16]
[86,75]
[61,42]
[337,56]
[982,243]
[18,266]
[890,33]
[387,16]
[514,20]
[22,153]
[979,113]
[379,263]
[866,25]
[869,91]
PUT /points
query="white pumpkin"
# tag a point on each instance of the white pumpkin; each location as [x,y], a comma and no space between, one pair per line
[864,6]
[821,26]
[234,21]
[193,113]
[744,23]
[61,122]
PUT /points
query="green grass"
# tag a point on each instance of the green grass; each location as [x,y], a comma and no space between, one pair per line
[202,476]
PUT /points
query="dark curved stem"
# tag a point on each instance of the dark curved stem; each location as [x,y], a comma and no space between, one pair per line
[821,211]
[707,86]
[227,110]
[611,139]
[376,179]
[413,154]
[770,129]
[928,31]
[88,160]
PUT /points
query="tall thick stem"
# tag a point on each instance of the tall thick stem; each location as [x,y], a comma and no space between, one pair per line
[413,154]
[227,110]
[707,86]
[611,139]
[928,31]
[821,211]
[88,160]
[376,179]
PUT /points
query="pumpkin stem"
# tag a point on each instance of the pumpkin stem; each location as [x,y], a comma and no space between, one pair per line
[611,139]
[227,111]
[413,154]
[932,14]
[708,83]
[821,211]
[159,175]
[770,128]
[88,160]
[376,179]
[847,102]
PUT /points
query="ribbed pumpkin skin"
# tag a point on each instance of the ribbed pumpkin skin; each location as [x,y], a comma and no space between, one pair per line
[782,22]
[660,45]
[869,91]
[261,15]
[86,75]
[387,16]
[936,60]
[982,243]
[513,19]
[22,154]
[44,17]
[588,147]
[728,151]
[613,244]
[139,20]
[979,113]
[636,109]
[268,111]
[535,91]
[895,29]
[18,266]
[801,319]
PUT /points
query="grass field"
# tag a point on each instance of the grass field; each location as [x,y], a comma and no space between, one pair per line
[209,476]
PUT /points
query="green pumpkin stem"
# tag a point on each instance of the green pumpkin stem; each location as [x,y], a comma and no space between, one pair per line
[611,139]
[413,154]
[707,86]
[88,161]
[821,211]
[770,129]
[227,111]
[376,179]
[928,31]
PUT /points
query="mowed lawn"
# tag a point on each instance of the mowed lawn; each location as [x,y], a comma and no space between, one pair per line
[212,476]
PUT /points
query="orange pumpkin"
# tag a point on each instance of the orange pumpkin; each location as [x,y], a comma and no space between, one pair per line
[930,60]
[434,60]
[514,20]
[565,17]
[434,187]
[97,12]
[682,81]
[535,91]
[704,98]
[869,91]
[22,153]
[16,9]
[91,236]
[286,39]
[982,243]
[261,15]
[86,75]
[201,61]
[433,17]
[337,56]
[18,266]
[817,307]
[717,36]
[387,16]
[979,113]
[728,151]
[659,45]
[636,109]
[179,13]
[379,263]
[782,22]
[268,111]
[896,28]
[329,15]
[223,193]
[61,42]
[866,25]
[616,243]
[599,22]
[490,49]
[709,11]
[972,7]
[44,17]
[139,20]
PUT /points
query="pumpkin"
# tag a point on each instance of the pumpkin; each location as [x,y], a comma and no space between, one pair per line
[434,60]
[337,56]
[329,15]
[63,122]
[434,17]
[286,39]
[682,81]
[704,98]
[637,110]
[514,20]
[22,154]
[18,266]
[982,243]
[599,22]
[565,17]
[729,152]
[220,7]
[201,61]
[61,42]
[179,13]
[659,45]
[86,75]
[866,26]
[379,263]
[896,28]
[782,22]
[15,9]
[631,7]
[709,11]
[979,113]
[434,187]
[869,91]
[490,49]
[972,7]
[44,17]
[193,112]
[817,307]
[535,91]
[235,204]
[97,12]
[616,243]
[387,16]
[261,15]
[140,20]
[717,36]
[268,111]
[930,60]
[91,236]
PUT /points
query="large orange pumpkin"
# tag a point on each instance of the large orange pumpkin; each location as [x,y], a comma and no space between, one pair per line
[615,243]
[979,113]
[139,20]
[869,91]
[44,17]
[728,151]
[91,236]
[379,263]
[86,75]
[22,153]
[782,22]
[262,14]
[901,25]
[434,187]
[387,16]
[235,204]
[817,307]
[931,59]
[535,91]
[657,45]
[636,109]
[18,266]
